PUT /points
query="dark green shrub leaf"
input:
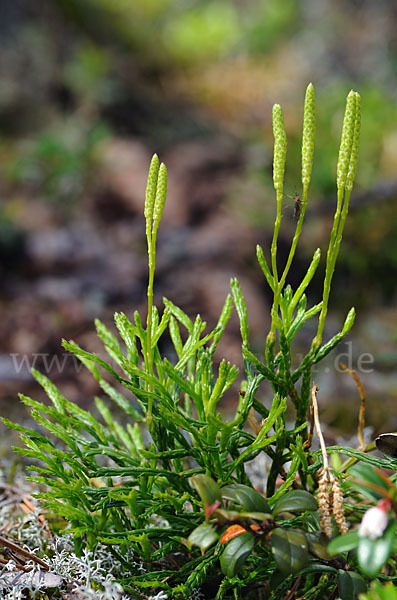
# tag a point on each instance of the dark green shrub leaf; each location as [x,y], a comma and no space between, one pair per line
[206,487]
[373,554]
[295,501]
[318,543]
[235,553]
[258,516]
[344,543]
[203,536]
[350,584]
[233,515]
[290,549]
[227,515]
[248,498]
[319,567]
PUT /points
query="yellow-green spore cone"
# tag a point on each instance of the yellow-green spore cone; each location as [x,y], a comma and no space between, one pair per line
[151,188]
[351,174]
[346,139]
[161,194]
[280,147]
[309,128]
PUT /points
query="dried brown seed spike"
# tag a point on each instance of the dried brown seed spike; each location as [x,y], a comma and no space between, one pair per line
[338,507]
[324,503]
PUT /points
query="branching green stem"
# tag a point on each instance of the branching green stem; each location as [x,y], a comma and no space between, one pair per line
[295,239]
[277,287]
[149,353]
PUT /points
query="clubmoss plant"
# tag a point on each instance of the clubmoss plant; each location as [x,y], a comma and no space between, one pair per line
[178,497]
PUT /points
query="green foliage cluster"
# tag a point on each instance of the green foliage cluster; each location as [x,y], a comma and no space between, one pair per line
[193,37]
[169,482]
[60,161]
[387,591]
[85,89]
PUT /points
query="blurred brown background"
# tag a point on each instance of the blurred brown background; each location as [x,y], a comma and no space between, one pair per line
[91,88]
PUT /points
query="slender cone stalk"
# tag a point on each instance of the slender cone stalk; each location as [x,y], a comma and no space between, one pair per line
[279,158]
[156,193]
[346,169]
[307,164]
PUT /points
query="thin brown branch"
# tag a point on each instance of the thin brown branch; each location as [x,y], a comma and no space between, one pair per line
[361,416]
[253,423]
[292,591]
[25,553]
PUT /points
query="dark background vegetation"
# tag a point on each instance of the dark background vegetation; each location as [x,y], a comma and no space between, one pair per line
[91,88]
